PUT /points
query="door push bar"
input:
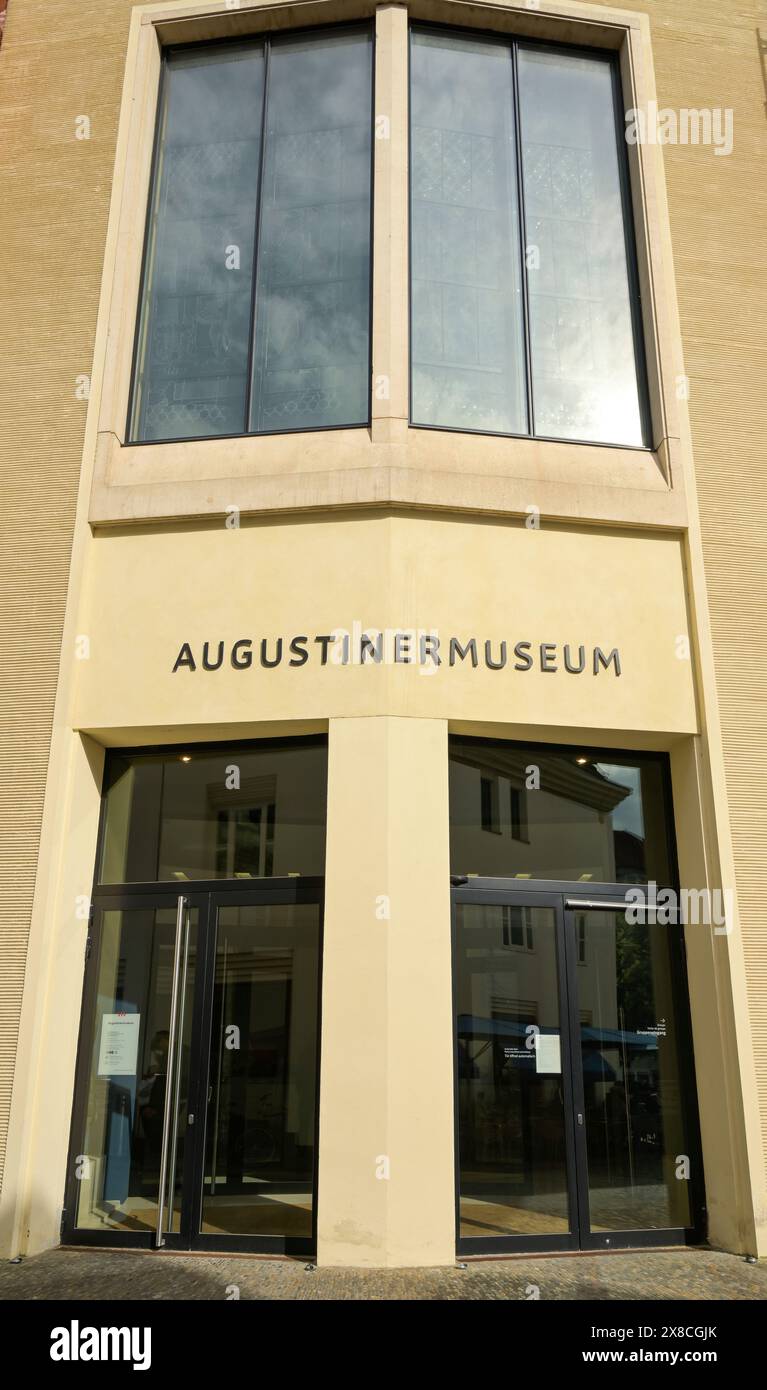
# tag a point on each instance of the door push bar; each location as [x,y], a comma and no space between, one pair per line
[615,904]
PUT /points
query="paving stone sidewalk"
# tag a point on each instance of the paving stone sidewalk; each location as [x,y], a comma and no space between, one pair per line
[640,1276]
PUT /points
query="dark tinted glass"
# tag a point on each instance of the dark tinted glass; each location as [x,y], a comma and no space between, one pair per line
[259,1142]
[632,1049]
[192,365]
[471,368]
[577,815]
[311,363]
[231,813]
[511,1116]
[467,339]
[584,369]
[127,1039]
[291,218]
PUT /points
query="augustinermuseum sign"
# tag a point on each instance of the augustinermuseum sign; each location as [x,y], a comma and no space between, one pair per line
[426,649]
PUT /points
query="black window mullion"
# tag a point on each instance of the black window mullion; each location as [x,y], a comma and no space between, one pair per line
[248,428]
[522,221]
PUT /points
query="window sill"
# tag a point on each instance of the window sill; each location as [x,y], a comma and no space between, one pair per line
[388,464]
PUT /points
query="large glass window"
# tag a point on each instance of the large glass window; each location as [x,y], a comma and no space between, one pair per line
[588,816]
[524,316]
[230,812]
[467,329]
[256,298]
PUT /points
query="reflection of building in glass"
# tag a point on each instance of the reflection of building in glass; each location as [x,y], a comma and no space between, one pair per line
[238,813]
[534,814]
[512,1058]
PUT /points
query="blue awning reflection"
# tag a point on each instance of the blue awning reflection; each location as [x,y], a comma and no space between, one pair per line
[595,1066]
[471,1024]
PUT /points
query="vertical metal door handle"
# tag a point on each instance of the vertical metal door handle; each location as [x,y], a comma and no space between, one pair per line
[176,1106]
[214,1160]
[160,1237]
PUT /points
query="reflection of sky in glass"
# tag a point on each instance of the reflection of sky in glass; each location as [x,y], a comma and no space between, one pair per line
[584,374]
[311,359]
[312,304]
[628,813]
[467,344]
[195,328]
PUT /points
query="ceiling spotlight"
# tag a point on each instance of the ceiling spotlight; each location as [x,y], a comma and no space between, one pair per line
[186,757]
[581,761]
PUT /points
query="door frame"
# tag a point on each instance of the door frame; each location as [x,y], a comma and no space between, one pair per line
[568,898]
[206,896]
[272,891]
[496,892]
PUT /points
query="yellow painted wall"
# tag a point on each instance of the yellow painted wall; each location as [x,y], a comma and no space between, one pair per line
[147,594]
[386,1151]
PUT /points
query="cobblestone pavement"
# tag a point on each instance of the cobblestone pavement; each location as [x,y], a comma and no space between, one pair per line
[644,1275]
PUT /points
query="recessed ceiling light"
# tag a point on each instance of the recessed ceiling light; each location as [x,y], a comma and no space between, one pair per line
[186,757]
[581,761]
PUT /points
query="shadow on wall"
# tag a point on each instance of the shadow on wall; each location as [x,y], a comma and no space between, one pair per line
[761,44]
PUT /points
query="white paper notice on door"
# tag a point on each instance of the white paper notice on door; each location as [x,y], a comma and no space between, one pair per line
[548,1054]
[118,1048]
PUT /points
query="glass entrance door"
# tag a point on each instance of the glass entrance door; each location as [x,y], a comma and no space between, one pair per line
[259,1155]
[639,1159]
[196,1098]
[515,1130]
[575,1090]
[136,1062]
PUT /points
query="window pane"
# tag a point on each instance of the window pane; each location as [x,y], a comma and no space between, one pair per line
[127,1032]
[259,1142]
[632,1051]
[191,370]
[511,1115]
[584,370]
[311,364]
[587,819]
[228,813]
[466,339]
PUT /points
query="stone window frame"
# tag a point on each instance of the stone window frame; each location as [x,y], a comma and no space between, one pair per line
[388,463]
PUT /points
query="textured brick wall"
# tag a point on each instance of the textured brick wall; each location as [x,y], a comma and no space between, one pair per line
[58,60]
[707,54]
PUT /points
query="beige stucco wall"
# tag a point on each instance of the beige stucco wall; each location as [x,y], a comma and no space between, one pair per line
[386,1133]
[60,62]
[495,581]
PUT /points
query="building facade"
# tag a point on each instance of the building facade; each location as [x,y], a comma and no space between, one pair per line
[384,810]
